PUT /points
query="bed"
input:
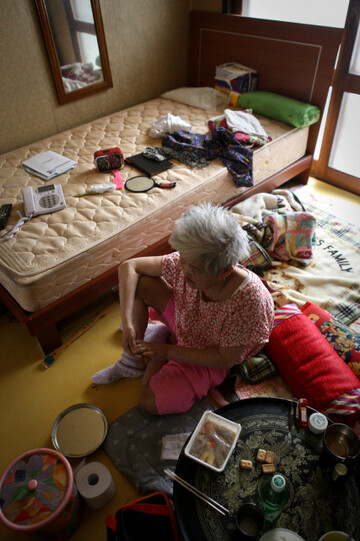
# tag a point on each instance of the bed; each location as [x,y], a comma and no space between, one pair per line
[58,262]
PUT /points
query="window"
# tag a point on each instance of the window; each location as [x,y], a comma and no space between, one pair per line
[321,12]
[336,155]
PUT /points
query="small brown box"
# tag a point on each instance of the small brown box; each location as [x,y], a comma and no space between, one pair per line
[268,468]
[245,464]
[261,455]
[269,458]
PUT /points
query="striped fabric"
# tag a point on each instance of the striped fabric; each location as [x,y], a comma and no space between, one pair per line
[344,406]
[259,368]
[259,259]
[256,369]
[284,312]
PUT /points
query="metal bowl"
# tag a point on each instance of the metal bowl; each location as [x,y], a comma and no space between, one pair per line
[341,442]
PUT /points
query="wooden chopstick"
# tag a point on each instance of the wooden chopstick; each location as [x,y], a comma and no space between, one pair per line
[217,506]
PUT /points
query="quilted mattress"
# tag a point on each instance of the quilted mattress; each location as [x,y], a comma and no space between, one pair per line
[53,254]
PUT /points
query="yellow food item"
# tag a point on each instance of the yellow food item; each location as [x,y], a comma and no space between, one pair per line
[245,464]
[268,468]
[204,456]
[261,455]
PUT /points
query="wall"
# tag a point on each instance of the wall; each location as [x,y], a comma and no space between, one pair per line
[206,5]
[147,42]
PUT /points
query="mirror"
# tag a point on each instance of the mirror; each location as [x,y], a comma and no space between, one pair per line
[75,41]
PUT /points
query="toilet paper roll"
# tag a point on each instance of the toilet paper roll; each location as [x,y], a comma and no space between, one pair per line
[95,484]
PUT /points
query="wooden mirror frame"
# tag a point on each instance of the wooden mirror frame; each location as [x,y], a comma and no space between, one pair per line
[66,97]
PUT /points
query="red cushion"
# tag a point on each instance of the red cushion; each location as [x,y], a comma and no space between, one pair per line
[344,340]
[307,362]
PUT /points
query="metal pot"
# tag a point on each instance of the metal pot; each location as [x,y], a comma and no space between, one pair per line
[341,442]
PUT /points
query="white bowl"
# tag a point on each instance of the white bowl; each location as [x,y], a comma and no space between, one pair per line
[281,534]
[213,441]
[336,536]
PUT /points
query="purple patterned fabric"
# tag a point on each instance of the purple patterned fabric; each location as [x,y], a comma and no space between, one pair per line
[223,145]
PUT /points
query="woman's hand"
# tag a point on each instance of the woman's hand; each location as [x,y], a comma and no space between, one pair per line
[151,351]
[129,340]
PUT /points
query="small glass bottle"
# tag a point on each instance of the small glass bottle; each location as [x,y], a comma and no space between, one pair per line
[273,495]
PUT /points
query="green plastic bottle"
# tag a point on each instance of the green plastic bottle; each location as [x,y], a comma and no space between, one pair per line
[273,496]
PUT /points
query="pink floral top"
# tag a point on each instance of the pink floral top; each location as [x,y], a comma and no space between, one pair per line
[245,319]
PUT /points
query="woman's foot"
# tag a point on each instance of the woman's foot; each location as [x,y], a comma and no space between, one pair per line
[129,366]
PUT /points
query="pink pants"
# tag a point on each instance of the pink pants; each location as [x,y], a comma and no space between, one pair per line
[177,386]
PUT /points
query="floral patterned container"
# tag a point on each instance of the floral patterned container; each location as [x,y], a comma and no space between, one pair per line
[38,495]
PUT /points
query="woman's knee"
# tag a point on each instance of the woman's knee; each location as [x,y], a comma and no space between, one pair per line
[153,291]
[148,401]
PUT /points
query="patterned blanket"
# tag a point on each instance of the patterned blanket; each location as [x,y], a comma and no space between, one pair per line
[280,224]
[329,280]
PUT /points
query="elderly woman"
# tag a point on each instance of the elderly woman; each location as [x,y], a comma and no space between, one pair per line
[219,312]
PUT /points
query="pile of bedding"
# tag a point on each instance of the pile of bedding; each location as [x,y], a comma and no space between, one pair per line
[316,354]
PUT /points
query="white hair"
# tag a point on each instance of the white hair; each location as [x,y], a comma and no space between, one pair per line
[212,236]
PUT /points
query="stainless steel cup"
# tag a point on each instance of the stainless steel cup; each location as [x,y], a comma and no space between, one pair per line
[249,522]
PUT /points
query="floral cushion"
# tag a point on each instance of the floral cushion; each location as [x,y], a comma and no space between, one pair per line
[344,340]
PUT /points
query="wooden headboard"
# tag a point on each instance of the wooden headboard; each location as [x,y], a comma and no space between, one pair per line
[295,60]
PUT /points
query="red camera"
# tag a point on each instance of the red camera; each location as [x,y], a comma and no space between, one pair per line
[109,159]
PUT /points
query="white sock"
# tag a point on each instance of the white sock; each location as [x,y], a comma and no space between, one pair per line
[129,366]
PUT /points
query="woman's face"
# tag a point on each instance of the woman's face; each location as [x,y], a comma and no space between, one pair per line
[195,275]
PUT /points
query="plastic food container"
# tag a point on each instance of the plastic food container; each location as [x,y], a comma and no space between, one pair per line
[39,496]
[213,441]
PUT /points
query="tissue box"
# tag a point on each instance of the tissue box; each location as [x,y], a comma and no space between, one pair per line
[236,77]
[231,95]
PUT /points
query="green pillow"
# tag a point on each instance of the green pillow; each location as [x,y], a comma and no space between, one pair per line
[287,110]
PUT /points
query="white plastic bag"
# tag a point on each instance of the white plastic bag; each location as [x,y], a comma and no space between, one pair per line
[168,124]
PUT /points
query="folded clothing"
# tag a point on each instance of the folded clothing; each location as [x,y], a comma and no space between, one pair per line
[245,126]
[294,236]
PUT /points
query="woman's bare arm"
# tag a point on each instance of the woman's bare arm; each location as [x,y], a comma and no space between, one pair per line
[129,273]
[221,357]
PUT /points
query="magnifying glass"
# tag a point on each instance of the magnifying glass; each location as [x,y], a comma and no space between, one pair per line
[144,184]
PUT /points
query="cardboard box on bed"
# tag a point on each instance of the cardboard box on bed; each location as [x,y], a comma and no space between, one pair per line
[236,77]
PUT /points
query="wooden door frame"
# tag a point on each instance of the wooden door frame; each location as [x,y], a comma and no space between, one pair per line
[343,81]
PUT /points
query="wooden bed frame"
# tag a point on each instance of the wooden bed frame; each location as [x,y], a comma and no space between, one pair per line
[291,59]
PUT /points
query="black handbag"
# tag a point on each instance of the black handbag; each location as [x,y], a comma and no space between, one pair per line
[150,518]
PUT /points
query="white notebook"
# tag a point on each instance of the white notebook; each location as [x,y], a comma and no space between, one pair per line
[48,164]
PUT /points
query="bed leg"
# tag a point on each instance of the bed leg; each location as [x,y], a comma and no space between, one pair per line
[49,339]
[304,176]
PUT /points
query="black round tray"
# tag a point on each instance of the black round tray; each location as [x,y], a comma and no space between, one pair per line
[317,504]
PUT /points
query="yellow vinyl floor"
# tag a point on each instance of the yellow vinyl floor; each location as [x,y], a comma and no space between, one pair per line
[31,397]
